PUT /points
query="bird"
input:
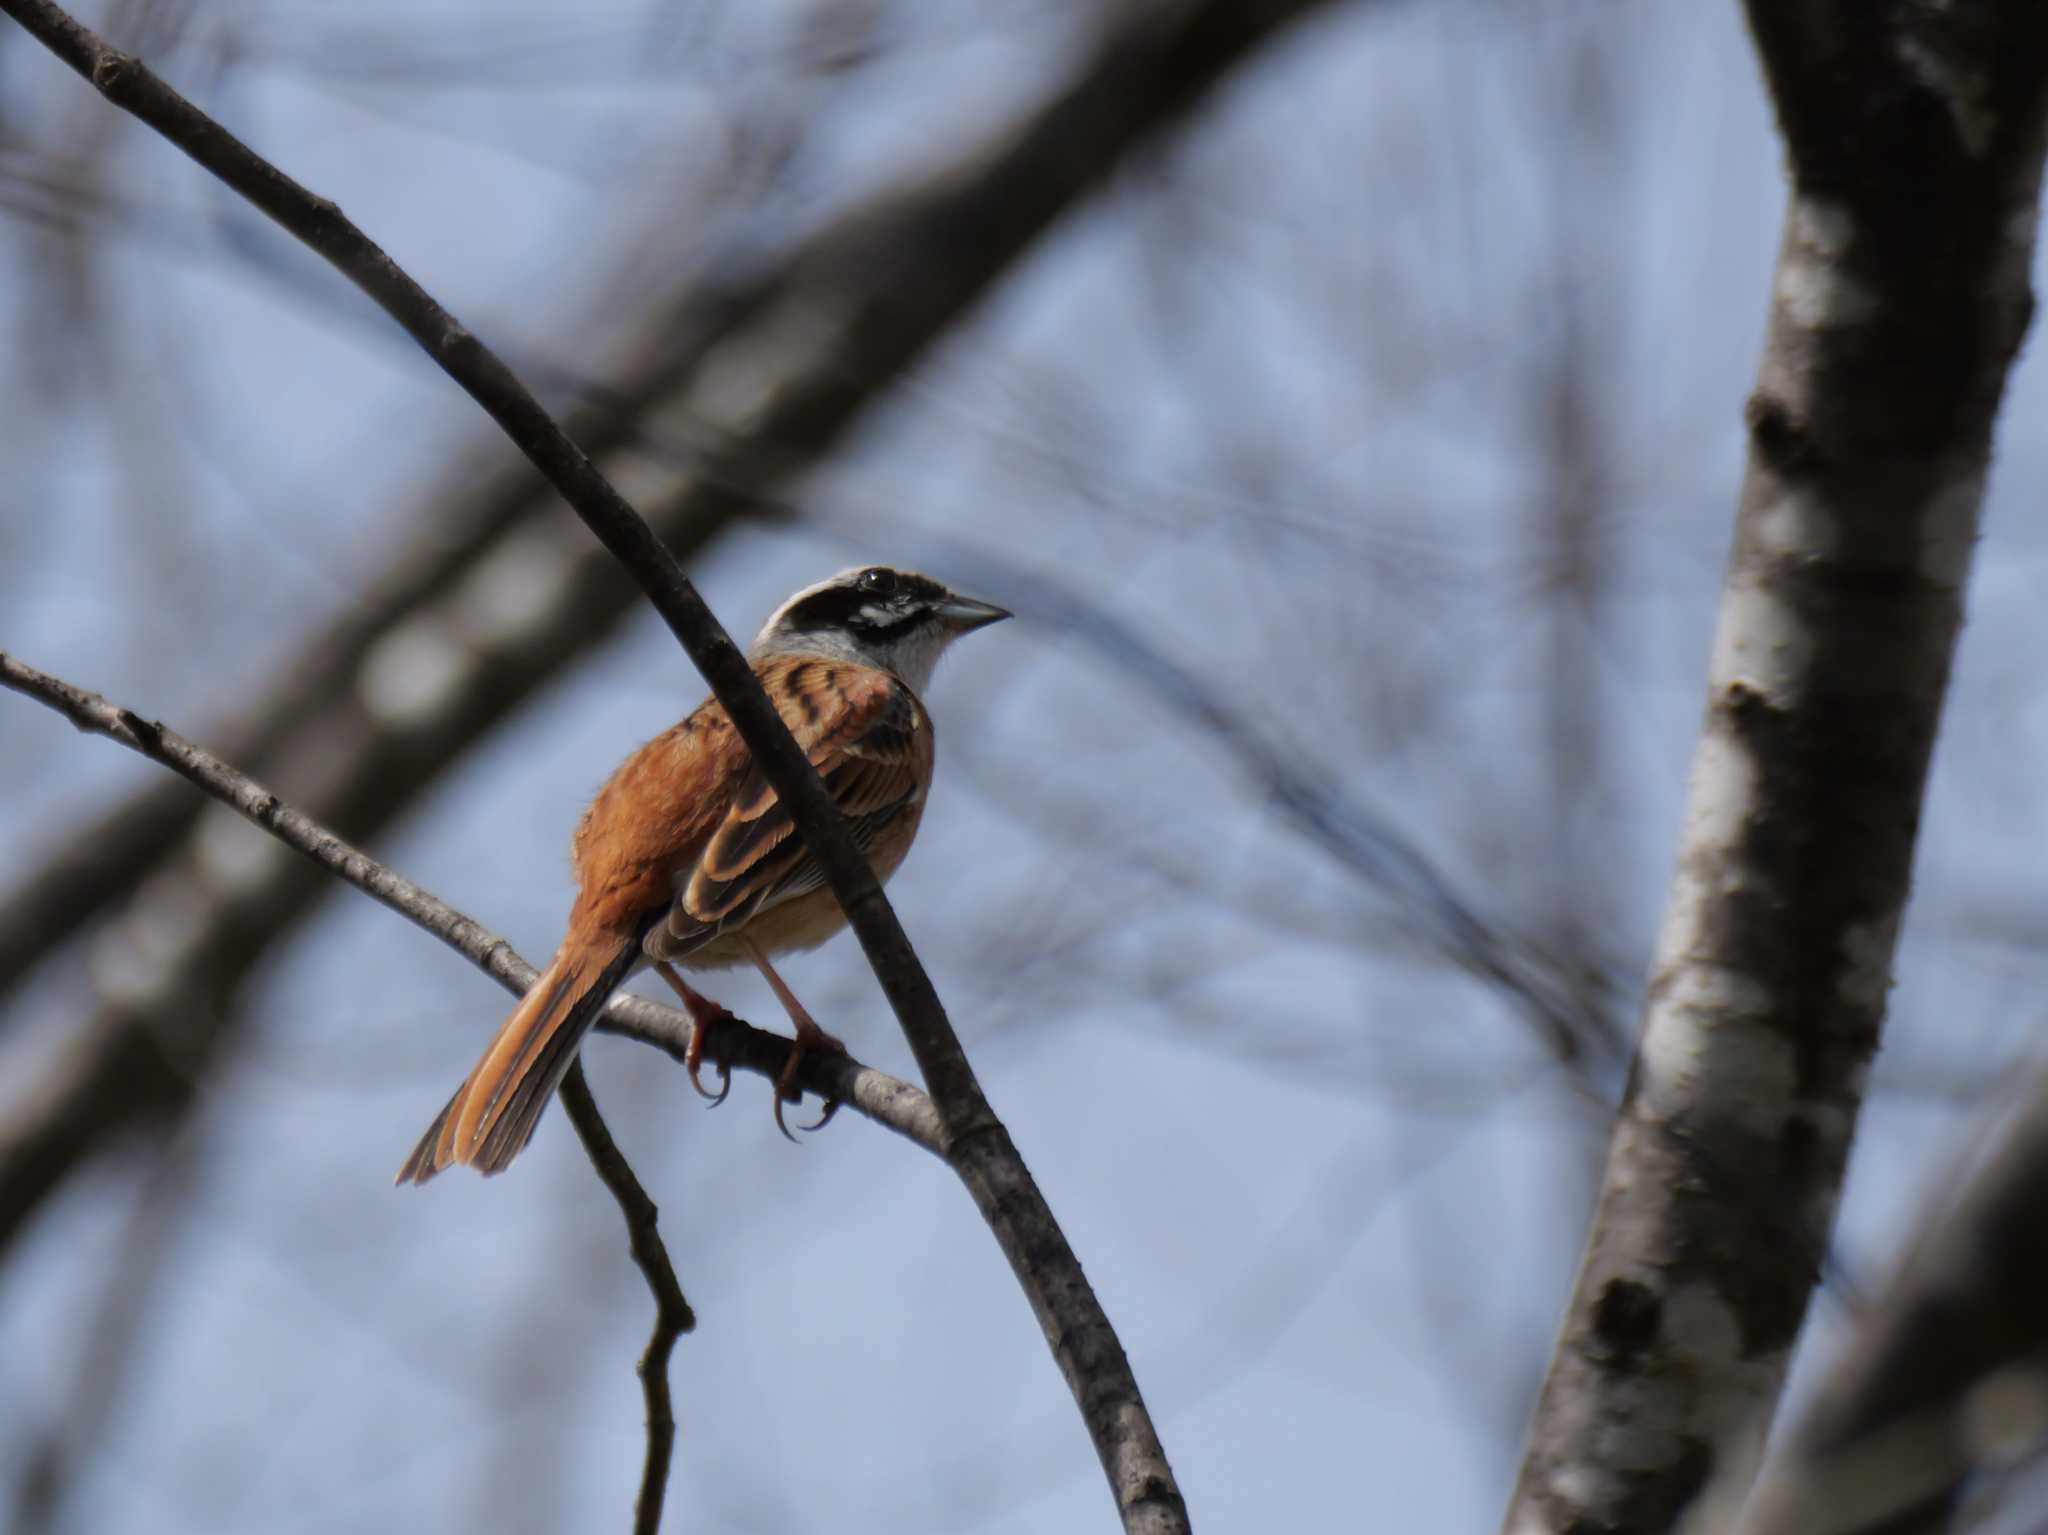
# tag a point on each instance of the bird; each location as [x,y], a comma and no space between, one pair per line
[686,855]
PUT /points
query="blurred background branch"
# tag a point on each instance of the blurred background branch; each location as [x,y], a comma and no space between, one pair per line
[1936,1416]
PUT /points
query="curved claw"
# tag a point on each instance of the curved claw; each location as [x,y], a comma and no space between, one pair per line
[711,1099]
[693,1057]
[786,1091]
[824,1119]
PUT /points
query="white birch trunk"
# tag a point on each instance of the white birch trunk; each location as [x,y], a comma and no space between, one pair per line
[1901,296]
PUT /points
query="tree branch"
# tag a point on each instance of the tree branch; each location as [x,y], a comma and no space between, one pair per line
[1901,296]
[672,1314]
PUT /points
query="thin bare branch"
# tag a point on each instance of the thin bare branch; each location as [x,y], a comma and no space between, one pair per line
[672,1314]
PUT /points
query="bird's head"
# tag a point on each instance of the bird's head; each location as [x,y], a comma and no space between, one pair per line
[877,615]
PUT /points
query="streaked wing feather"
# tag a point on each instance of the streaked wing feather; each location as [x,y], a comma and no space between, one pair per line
[864,745]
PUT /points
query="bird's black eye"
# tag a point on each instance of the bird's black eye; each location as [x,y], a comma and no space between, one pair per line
[879,582]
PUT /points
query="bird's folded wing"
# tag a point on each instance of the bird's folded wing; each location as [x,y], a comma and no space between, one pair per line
[870,741]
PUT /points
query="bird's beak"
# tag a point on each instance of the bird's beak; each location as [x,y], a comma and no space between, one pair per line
[964,614]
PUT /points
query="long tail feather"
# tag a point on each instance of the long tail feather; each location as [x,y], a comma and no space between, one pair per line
[493,1114]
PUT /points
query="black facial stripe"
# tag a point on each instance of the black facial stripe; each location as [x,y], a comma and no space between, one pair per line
[840,607]
[833,608]
[912,587]
[891,631]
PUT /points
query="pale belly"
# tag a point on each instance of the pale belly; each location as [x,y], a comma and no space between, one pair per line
[803,923]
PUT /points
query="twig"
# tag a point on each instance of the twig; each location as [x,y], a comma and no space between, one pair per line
[672,1314]
[978,1146]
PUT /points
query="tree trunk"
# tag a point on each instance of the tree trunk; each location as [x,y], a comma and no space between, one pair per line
[1914,138]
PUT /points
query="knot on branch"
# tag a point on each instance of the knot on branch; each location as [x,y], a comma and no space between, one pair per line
[112,69]
[1778,437]
[148,733]
[1626,1316]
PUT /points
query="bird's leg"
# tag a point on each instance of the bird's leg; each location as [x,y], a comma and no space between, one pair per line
[703,1013]
[808,1037]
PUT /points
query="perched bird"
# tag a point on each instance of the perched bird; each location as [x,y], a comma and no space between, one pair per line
[687,856]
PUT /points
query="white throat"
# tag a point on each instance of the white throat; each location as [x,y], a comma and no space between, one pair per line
[912,658]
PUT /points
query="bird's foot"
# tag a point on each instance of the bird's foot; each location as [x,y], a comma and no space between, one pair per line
[809,1037]
[704,1015]
[693,1059]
